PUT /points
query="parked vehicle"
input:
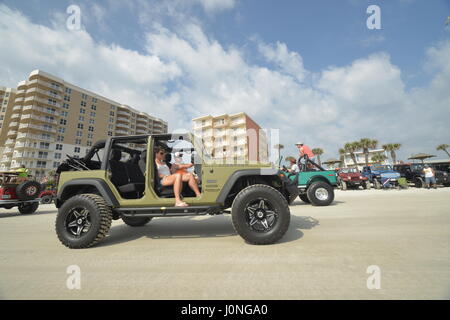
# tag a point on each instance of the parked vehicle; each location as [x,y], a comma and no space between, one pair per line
[48,196]
[315,184]
[123,184]
[352,178]
[382,176]
[22,193]
[443,166]
[413,172]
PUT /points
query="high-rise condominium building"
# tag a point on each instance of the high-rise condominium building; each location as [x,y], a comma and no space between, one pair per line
[234,137]
[46,118]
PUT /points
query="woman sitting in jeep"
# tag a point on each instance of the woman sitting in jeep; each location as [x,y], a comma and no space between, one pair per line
[174,179]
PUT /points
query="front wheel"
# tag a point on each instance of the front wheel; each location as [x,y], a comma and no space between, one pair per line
[83,221]
[320,193]
[304,198]
[136,221]
[47,199]
[260,214]
[28,208]
[419,183]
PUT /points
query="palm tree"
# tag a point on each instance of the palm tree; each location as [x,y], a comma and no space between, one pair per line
[279,147]
[366,144]
[318,152]
[444,148]
[379,158]
[352,147]
[392,147]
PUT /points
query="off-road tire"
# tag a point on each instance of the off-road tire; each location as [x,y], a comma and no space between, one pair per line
[136,221]
[304,197]
[366,185]
[419,183]
[47,199]
[28,208]
[343,185]
[28,190]
[279,205]
[100,220]
[319,187]
[376,184]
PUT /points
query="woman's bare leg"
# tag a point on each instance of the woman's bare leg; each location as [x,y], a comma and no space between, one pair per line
[189,178]
[176,181]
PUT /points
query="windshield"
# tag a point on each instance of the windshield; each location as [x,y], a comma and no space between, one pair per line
[349,170]
[381,168]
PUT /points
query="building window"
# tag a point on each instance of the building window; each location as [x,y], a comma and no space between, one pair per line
[94,107]
[65,106]
[41,164]
[91,121]
[81,118]
[113,107]
[84,96]
[61,130]
[109,133]
[83,103]
[93,114]
[80,126]
[77,141]
[66,98]
[68,90]
[94,100]
[57,155]
[56,164]
[82,110]
[90,135]
[111,113]
[59,146]
[79,133]
[91,129]
[89,143]
[76,150]
[60,138]
[64,113]
[63,122]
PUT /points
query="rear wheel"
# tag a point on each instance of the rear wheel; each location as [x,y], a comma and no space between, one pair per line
[47,199]
[260,214]
[419,183]
[136,221]
[304,197]
[83,221]
[320,193]
[28,208]
[376,184]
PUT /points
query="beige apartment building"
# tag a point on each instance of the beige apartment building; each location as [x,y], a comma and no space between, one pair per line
[232,137]
[46,118]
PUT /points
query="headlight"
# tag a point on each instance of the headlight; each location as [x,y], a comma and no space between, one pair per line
[445,174]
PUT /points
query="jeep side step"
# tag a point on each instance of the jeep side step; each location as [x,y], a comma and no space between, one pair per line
[169,211]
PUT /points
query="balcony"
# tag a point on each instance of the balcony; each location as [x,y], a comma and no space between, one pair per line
[45,101]
[123,119]
[237,122]
[38,118]
[34,137]
[19,100]
[11,133]
[15,116]
[13,124]
[38,109]
[121,132]
[10,142]
[8,150]
[141,131]
[28,126]
[33,91]
[122,125]
[6,159]
[17,108]
[46,84]
[123,113]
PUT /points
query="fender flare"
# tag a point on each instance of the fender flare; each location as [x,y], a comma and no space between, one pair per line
[243,173]
[99,184]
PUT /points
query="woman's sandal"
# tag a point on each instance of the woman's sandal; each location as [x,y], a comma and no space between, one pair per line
[181,204]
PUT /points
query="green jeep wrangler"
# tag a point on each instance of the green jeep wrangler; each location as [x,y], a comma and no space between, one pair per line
[117,179]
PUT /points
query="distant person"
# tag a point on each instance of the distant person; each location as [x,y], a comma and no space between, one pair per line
[429,176]
[294,166]
[305,151]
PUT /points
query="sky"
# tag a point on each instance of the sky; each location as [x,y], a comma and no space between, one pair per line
[311,69]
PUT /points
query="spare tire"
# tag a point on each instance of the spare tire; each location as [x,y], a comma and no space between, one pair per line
[28,190]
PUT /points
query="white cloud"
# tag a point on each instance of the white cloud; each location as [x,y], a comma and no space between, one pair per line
[186,73]
[290,62]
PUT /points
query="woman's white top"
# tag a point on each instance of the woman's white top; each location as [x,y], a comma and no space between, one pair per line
[163,169]
[428,172]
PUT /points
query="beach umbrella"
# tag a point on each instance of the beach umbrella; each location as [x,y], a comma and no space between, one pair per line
[421,156]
